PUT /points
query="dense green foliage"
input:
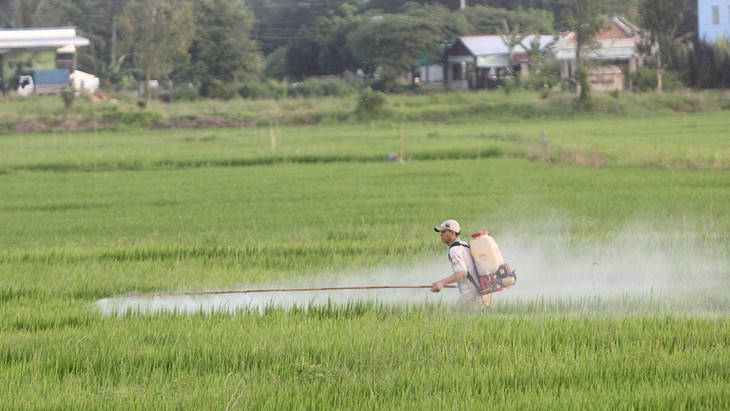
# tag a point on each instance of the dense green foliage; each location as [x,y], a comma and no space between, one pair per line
[311,39]
[87,216]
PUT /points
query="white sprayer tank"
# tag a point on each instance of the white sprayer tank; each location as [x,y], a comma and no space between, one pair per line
[485,251]
[488,259]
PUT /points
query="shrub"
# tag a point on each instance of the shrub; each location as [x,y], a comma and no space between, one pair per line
[645,79]
[216,89]
[184,94]
[140,118]
[307,88]
[388,85]
[321,88]
[270,90]
[370,104]
[311,87]
[544,75]
[68,95]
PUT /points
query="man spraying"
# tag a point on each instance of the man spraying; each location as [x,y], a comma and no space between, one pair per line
[463,267]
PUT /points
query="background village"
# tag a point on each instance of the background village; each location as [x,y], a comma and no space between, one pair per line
[443,46]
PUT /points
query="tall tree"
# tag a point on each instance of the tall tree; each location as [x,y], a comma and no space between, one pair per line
[158,34]
[280,21]
[19,13]
[489,20]
[302,58]
[94,19]
[586,22]
[222,48]
[512,37]
[395,42]
[661,18]
[334,55]
[452,25]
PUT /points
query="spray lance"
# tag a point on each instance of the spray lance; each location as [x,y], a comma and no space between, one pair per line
[273,290]
[493,275]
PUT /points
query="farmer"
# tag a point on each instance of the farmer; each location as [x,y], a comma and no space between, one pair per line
[463,267]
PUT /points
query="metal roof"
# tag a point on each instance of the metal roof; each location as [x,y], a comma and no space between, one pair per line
[489,45]
[51,37]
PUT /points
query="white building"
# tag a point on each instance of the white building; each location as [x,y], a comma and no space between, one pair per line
[713,19]
[475,62]
[615,57]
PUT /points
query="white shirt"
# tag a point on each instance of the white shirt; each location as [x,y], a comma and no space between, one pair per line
[462,261]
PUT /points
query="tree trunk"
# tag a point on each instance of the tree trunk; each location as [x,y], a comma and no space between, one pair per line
[584,87]
[659,73]
[148,90]
[148,71]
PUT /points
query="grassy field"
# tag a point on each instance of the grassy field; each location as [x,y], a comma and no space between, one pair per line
[619,230]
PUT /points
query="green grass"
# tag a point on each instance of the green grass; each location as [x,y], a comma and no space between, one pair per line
[369,357]
[694,141]
[87,216]
[47,113]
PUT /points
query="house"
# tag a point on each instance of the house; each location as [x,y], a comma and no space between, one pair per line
[25,50]
[616,55]
[475,62]
[713,19]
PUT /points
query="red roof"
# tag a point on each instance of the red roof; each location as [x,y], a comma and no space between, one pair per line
[614,29]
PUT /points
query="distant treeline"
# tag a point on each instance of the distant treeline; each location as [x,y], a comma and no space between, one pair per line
[243,41]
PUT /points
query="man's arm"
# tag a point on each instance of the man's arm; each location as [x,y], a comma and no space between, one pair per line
[441,284]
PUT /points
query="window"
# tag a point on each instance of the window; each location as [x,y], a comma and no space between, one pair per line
[458,74]
[715,15]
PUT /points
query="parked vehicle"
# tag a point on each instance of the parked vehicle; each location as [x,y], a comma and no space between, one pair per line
[42,81]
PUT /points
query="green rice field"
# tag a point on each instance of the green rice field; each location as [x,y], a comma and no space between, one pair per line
[619,228]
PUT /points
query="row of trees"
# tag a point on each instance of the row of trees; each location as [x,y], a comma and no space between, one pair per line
[209,42]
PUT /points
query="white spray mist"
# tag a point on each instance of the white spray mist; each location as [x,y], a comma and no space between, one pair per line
[638,264]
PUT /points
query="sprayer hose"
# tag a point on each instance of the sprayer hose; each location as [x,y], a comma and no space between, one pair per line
[272,290]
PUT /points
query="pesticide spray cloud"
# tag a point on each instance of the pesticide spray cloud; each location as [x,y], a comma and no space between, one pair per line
[637,271]
[421,274]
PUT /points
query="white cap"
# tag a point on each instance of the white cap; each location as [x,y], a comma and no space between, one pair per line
[452,225]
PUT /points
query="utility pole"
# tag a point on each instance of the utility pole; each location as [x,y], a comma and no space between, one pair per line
[114,41]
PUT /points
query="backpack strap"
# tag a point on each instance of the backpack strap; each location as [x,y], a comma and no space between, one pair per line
[469,275]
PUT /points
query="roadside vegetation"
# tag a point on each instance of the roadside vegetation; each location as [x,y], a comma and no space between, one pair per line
[349,105]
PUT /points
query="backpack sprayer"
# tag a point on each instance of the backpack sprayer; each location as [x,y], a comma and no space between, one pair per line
[493,274]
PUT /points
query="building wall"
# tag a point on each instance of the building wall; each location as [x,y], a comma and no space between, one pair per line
[38,59]
[713,19]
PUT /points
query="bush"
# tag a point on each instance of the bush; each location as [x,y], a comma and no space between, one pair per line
[68,95]
[544,75]
[370,104]
[216,89]
[184,94]
[321,88]
[311,87]
[645,79]
[270,90]
[140,119]
[388,85]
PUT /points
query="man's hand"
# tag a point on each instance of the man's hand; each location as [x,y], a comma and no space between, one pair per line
[437,286]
